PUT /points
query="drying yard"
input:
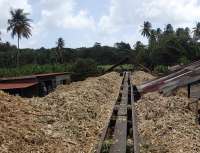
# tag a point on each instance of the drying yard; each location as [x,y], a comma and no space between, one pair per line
[73,117]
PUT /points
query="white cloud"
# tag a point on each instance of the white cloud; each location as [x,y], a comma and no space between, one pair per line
[5,6]
[123,14]
[121,22]
[81,20]
[58,15]
[124,18]
[52,16]
[63,13]
[55,16]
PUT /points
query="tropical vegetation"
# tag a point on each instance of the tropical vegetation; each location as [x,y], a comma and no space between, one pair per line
[166,47]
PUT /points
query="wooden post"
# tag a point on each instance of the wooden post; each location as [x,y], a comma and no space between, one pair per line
[135,126]
[189,89]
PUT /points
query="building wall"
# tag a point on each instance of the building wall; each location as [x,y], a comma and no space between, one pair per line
[63,79]
[25,92]
[45,85]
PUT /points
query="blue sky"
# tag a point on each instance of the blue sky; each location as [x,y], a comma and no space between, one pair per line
[83,22]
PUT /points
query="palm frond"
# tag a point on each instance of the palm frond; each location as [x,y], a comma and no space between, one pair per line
[19,24]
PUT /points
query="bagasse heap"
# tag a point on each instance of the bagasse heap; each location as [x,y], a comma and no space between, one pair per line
[67,120]
[166,124]
[140,77]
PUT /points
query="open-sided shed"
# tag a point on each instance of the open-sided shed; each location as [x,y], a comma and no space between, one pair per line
[34,85]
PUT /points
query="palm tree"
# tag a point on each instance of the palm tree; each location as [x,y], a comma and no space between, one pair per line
[196,32]
[152,38]
[146,29]
[59,49]
[169,29]
[158,34]
[97,44]
[187,30]
[180,32]
[187,33]
[158,31]
[138,44]
[19,25]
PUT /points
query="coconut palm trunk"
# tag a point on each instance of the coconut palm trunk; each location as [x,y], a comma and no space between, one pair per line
[59,49]
[17,56]
[18,41]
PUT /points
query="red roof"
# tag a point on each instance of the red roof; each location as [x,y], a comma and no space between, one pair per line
[50,74]
[24,81]
[34,76]
[4,86]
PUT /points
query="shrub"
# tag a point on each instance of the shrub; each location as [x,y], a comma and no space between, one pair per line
[161,69]
[85,66]
[35,69]
[184,60]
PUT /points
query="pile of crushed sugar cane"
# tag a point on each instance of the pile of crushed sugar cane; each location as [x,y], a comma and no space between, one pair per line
[166,124]
[139,77]
[182,92]
[20,130]
[68,120]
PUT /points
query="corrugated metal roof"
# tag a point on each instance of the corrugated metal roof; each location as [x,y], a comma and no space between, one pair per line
[4,86]
[33,76]
[25,81]
[50,74]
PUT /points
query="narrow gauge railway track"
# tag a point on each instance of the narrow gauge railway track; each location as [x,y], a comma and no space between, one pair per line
[120,134]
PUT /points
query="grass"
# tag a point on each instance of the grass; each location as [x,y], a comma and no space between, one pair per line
[39,69]
[34,69]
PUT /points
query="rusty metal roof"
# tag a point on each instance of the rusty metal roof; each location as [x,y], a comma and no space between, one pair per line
[14,85]
[50,74]
[33,76]
[24,81]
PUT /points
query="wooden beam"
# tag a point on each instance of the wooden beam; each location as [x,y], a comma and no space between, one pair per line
[120,131]
[119,139]
[135,127]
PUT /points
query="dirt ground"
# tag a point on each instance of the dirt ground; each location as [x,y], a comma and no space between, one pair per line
[166,124]
[68,120]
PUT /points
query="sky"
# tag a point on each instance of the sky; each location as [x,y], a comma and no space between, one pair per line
[81,23]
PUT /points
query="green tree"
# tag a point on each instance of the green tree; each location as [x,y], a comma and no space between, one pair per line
[196,32]
[187,32]
[152,38]
[169,29]
[158,35]
[59,49]
[122,45]
[158,31]
[19,25]
[146,29]
[138,45]
[97,44]
[85,66]
[180,32]
[183,34]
